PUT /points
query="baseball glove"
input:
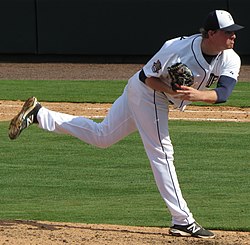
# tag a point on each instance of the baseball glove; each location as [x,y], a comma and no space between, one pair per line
[180,75]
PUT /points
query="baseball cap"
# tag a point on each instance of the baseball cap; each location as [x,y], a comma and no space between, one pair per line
[220,20]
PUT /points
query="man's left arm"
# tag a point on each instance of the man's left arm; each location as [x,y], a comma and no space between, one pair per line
[220,94]
[224,88]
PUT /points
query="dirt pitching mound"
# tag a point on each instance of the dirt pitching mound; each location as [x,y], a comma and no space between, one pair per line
[52,233]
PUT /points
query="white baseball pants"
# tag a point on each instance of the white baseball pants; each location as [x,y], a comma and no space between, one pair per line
[138,108]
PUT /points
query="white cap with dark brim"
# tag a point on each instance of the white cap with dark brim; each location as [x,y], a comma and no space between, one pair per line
[220,20]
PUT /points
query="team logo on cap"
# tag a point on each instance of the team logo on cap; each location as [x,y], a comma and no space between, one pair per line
[156,66]
[230,17]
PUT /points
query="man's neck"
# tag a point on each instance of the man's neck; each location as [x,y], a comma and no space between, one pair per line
[208,48]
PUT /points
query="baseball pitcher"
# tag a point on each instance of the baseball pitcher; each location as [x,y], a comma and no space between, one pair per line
[181,72]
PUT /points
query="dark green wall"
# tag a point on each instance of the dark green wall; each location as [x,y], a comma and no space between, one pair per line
[107,27]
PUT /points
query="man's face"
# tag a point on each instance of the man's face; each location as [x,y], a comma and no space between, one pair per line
[223,39]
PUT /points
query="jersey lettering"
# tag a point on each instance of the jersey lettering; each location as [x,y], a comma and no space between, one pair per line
[213,78]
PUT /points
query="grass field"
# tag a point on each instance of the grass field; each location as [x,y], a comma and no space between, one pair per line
[45,176]
[90,91]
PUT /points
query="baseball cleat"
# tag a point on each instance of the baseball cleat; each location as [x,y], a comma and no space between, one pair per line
[24,118]
[194,230]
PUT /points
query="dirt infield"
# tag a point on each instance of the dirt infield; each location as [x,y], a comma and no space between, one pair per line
[10,108]
[52,233]
[60,71]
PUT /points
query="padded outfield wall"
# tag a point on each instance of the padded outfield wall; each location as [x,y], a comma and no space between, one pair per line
[107,27]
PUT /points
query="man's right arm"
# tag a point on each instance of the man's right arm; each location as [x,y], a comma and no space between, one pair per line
[158,85]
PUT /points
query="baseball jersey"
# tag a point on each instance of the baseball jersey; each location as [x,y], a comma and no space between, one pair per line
[188,51]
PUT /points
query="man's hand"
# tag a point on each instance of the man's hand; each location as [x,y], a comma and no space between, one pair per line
[192,94]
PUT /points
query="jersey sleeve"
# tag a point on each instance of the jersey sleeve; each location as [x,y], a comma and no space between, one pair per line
[157,65]
[224,88]
[230,65]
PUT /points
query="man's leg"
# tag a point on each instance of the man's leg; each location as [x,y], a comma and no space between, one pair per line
[150,111]
[117,124]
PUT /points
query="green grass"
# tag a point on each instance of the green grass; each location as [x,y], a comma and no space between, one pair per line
[91,91]
[239,97]
[67,91]
[46,176]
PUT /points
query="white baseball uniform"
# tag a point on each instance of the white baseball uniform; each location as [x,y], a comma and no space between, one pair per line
[146,110]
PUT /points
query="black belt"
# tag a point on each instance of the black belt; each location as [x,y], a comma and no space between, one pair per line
[142,76]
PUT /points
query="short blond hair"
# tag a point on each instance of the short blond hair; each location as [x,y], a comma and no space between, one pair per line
[203,32]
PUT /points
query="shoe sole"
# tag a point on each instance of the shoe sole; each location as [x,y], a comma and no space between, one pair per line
[176,232]
[16,122]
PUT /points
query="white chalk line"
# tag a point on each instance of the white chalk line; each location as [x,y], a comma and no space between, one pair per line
[199,111]
[209,119]
[88,108]
[172,118]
